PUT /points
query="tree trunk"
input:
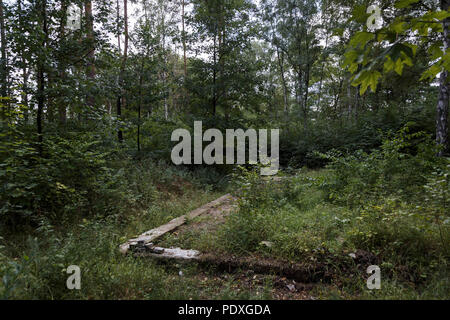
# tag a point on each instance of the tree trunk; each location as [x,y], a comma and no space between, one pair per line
[327,32]
[184,39]
[40,74]
[90,69]
[280,58]
[24,100]
[62,108]
[319,98]
[139,107]
[349,99]
[122,69]
[125,45]
[305,98]
[442,107]
[118,29]
[25,72]
[119,116]
[357,103]
[300,94]
[214,98]
[3,64]
[165,68]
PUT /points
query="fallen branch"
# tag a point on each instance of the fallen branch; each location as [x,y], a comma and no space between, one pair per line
[296,271]
[153,234]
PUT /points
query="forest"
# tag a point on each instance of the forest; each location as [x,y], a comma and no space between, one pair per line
[91,92]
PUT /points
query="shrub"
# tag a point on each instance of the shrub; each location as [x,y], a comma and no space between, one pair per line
[400,167]
[70,178]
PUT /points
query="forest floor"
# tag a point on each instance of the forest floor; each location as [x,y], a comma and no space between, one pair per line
[197,234]
[274,224]
[226,270]
[283,241]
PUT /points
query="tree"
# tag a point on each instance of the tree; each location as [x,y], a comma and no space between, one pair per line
[183,36]
[41,63]
[90,68]
[3,62]
[415,23]
[270,35]
[224,30]
[120,98]
[442,107]
[294,34]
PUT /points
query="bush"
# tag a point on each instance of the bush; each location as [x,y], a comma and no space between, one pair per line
[400,167]
[390,205]
[299,145]
[70,178]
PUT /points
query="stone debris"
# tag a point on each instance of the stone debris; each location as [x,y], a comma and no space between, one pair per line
[291,287]
[153,234]
[143,249]
[268,244]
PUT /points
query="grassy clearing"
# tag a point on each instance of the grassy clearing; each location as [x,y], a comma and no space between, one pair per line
[300,223]
[33,262]
[388,208]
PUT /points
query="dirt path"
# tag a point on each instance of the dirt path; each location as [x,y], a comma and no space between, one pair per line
[152,235]
[288,281]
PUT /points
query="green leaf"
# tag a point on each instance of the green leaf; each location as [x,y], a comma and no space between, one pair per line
[398,26]
[361,38]
[350,56]
[399,66]
[435,51]
[359,14]
[436,15]
[431,72]
[399,49]
[339,32]
[413,48]
[367,78]
[405,3]
[373,80]
[388,64]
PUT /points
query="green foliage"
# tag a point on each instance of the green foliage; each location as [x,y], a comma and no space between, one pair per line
[268,213]
[33,263]
[40,273]
[400,167]
[396,44]
[390,204]
[71,178]
[299,145]
[69,193]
